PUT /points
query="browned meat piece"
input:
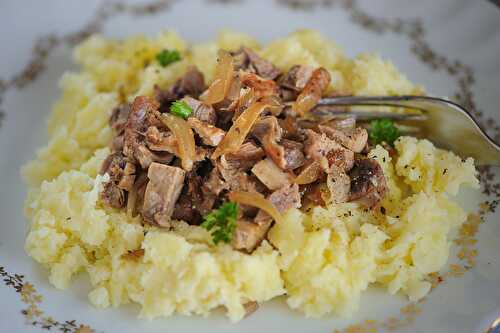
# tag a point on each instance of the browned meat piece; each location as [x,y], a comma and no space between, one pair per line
[118,122]
[368,185]
[214,182]
[121,178]
[247,155]
[341,158]
[285,198]
[162,191]
[270,174]
[160,141]
[119,118]
[120,170]
[112,195]
[296,78]
[261,87]
[209,134]
[294,156]
[317,145]
[291,129]
[192,84]
[314,195]
[313,90]
[236,179]
[248,60]
[142,116]
[249,235]
[117,143]
[354,139]
[250,307]
[268,132]
[201,111]
[191,204]
[339,185]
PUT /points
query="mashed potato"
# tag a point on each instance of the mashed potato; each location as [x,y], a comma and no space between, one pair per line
[322,260]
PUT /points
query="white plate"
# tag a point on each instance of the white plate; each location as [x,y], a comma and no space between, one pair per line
[452,48]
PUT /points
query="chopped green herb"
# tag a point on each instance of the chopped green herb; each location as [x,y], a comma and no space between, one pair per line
[383,130]
[166,57]
[181,109]
[222,222]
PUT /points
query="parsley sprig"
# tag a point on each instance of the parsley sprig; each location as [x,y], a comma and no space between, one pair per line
[181,109]
[166,57]
[222,222]
[383,130]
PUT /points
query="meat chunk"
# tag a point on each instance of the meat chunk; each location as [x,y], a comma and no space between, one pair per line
[328,152]
[270,174]
[201,111]
[261,87]
[268,131]
[142,116]
[162,191]
[214,182]
[368,184]
[247,155]
[339,184]
[250,307]
[236,179]
[248,60]
[354,139]
[291,128]
[112,195]
[193,202]
[248,234]
[296,78]
[341,158]
[209,134]
[318,146]
[160,141]
[294,156]
[121,174]
[285,198]
[119,117]
[313,90]
[192,83]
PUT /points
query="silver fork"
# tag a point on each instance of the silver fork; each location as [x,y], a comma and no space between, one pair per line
[445,123]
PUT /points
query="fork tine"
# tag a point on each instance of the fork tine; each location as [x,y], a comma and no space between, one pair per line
[369,115]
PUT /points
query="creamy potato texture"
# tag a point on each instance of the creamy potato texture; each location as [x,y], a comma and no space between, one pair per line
[322,259]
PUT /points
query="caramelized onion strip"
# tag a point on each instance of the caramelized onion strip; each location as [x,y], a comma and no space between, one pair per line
[239,130]
[255,199]
[184,137]
[219,88]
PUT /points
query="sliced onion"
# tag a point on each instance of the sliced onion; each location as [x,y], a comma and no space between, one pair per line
[239,130]
[255,199]
[222,80]
[311,94]
[184,137]
[310,174]
[275,106]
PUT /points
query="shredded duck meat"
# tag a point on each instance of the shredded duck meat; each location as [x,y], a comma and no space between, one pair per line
[243,140]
